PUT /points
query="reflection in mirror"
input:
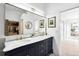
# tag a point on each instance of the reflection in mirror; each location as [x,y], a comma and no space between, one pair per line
[40,29]
[75,29]
[12,20]
[22,24]
[28,25]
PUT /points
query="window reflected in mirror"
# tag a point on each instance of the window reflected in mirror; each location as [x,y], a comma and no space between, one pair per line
[11,28]
[75,29]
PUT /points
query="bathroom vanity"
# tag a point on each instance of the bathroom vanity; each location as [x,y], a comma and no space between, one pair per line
[20,22]
[38,46]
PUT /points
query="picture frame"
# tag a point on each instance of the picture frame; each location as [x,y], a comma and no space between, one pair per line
[41,23]
[52,22]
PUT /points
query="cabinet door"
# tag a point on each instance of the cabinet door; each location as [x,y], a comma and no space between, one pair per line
[32,49]
[41,48]
[46,46]
[37,49]
[49,46]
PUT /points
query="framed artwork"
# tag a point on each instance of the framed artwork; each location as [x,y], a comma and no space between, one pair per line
[41,23]
[52,22]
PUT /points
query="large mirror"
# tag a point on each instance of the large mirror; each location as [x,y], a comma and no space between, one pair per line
[22,24]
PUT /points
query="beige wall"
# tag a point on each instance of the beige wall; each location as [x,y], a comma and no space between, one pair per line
[69,48]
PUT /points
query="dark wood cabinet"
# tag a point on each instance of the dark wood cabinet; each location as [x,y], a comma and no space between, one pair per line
[41,48]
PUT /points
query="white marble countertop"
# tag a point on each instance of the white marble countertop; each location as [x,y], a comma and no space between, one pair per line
[18,43]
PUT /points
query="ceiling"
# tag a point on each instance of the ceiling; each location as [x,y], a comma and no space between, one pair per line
[50,8]
[57,7]
[41,6]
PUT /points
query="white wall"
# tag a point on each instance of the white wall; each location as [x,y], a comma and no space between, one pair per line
[1,19]
[55,32]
